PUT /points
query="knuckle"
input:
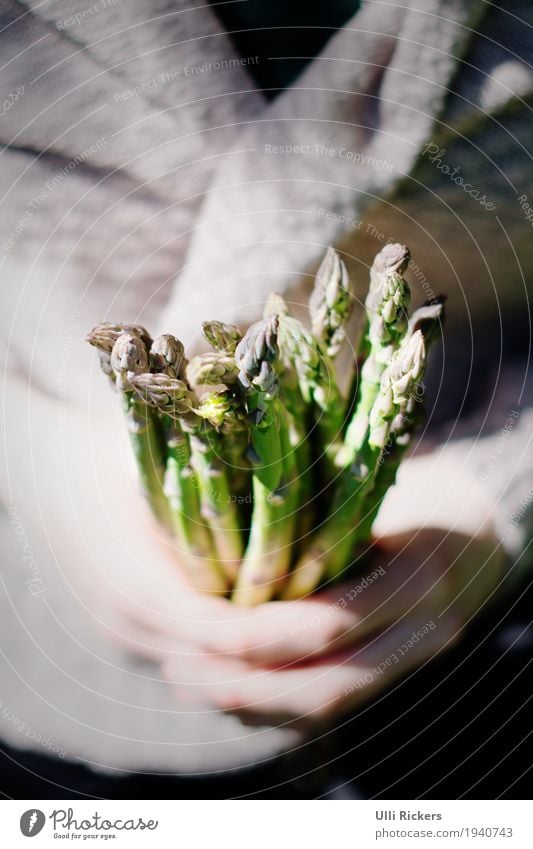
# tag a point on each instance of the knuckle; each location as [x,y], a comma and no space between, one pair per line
[333,631]
[229,701]
[237,645]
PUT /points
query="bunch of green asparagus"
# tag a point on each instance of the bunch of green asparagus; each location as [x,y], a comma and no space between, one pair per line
[266,475]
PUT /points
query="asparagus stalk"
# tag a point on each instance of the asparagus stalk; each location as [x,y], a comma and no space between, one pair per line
[331,302]
[299,427]
[268,553]
[332,546]
[401,433]
[173,400]
[129,358]
[217,506]
[307,358]
[428,319]
[386,310]
[225,411]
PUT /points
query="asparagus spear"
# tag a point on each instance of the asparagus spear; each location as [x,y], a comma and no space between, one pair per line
[128,358]
[218,507]
[167,356]
[204,463]
[386,309]
[331,302]
[173,399]
[212,370]
[225,411]
[308,359]
[104,335]
[267,556]
[299,425]
[332,546]
[275,305]
[222,337]
[428,319]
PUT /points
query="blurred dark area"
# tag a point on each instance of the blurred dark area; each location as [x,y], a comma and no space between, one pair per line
[286,35]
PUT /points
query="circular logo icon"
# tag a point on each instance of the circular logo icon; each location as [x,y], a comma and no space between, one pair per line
[32,822]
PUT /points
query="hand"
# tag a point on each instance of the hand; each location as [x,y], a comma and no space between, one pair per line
[317,658]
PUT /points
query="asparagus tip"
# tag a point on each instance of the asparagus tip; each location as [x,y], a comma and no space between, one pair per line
[128,358]
[169,394]
[167,355]
[392,258]
[222,337]
[331,302]
[256,353]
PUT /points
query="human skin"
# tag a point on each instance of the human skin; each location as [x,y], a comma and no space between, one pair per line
[315,659]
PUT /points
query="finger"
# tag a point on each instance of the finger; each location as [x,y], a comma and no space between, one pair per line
[273,633]
[276,633]
[145,641]
[330,686]
[280,633]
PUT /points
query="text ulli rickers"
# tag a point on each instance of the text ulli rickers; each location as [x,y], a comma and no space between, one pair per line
[407,815]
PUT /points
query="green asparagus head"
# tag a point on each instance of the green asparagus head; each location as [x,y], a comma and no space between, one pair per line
[407,421]
[129,357]
[167,356]
[429,319]
[104,335]
[388,297]
[223,410]
[105,365]
[405,369]
[393,258]
[168,394]
[275,305]
[212,369]
[256,354]
[398,387]
[222,337]
[330,302]
[301,350]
